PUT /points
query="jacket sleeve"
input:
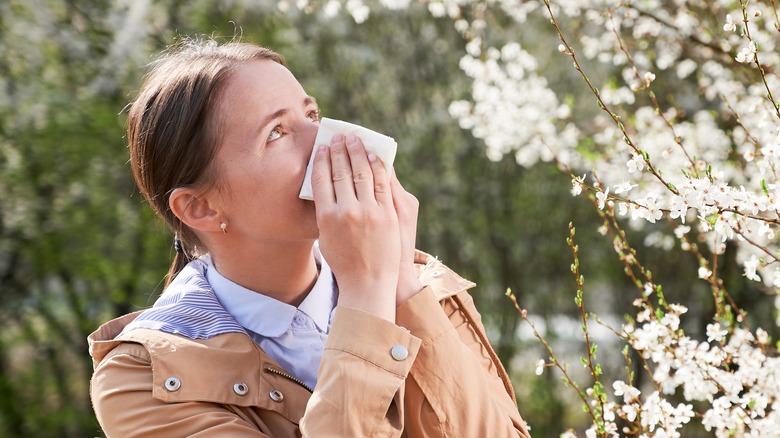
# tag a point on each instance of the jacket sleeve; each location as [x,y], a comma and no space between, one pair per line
[121,393]
[360,382]
[457,386]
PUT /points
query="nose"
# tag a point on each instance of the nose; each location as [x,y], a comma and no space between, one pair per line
[309,133]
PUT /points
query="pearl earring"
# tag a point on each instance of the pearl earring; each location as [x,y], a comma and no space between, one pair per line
[223,226]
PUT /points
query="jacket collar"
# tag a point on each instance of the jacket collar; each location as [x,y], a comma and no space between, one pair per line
[443,281]
[98,340]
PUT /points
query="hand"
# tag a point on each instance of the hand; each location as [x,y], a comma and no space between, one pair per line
[407,208]
[358,223]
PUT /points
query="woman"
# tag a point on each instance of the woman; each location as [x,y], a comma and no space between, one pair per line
[281,319]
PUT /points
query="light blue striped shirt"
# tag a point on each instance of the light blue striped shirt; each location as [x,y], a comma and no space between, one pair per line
[200,303]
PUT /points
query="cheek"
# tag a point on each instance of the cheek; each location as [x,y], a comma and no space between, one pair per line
[274,179]
[293,167]
[283,178]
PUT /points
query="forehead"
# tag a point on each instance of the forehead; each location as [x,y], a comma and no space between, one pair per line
[261,86]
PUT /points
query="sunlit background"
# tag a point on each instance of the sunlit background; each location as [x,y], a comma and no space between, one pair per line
[78,245]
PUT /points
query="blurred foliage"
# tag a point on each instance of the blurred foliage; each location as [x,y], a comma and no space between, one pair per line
[78,245]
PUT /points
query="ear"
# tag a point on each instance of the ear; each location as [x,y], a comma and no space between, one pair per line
[194,210]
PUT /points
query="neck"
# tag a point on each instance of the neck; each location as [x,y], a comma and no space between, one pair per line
[283,271]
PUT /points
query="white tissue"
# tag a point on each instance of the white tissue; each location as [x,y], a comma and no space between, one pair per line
[382,146]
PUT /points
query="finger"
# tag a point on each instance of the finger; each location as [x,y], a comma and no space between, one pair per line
[362,174]
[382,191]
[394,180]
[341,170]
[405,202]
[396,188]
[321,182]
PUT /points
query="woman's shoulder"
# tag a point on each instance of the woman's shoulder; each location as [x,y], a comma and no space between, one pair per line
[159,347]
[188,311]
[170,360]
[194,313]
[146,368]
[187,307]
[173,351]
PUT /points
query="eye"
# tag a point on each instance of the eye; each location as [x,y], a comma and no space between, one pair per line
[276,133]
[314,115]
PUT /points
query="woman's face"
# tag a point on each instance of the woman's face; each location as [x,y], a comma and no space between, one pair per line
[269,125]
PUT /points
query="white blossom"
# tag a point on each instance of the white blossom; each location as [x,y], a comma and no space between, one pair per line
[747,54]
[730,25]
[602,198]
[624,187]
[715,332]
[576,184]
[636,163]
[751,266]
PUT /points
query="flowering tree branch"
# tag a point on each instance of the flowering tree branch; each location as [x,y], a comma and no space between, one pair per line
[688,135]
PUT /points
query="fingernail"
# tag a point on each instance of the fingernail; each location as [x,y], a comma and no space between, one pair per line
[337,138]
[351,139]
[371,157]
[321,149]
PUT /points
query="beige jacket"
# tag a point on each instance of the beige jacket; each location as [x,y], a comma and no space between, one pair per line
[432,374]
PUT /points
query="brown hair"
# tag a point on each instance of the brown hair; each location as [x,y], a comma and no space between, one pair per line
[173,127]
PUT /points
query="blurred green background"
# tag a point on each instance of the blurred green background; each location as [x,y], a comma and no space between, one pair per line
[79,246]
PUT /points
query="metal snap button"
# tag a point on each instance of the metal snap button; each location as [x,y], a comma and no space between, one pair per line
[172,384]
[240,388]
[276,395]
[399,352]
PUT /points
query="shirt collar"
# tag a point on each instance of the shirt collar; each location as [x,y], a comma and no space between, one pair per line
[321,301]
[268,316]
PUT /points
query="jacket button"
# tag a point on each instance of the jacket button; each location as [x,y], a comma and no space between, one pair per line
[399,352]
[240,388]
[276,395]
[172,384]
